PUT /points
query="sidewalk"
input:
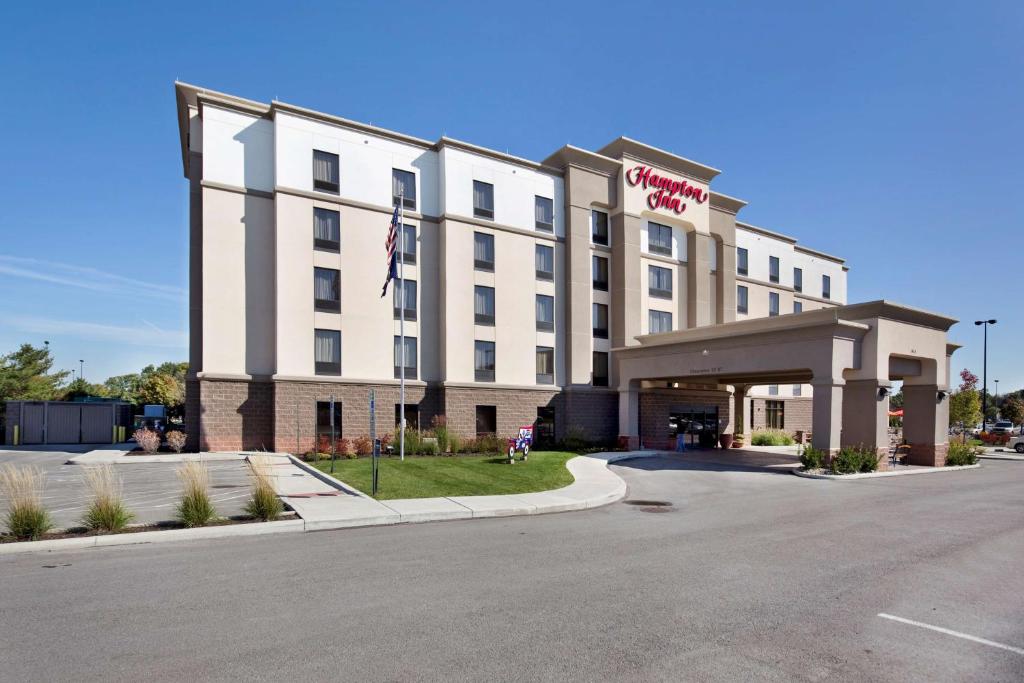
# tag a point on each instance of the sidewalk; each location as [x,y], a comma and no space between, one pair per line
[118,455]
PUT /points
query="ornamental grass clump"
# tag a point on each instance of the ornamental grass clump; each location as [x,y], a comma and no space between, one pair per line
[26,518]
[771,437]
[107,511]
[195,507]
[263,501]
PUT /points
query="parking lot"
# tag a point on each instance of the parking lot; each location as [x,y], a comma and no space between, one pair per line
[151,490]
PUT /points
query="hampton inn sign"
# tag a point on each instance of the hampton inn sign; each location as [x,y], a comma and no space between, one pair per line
[665,193]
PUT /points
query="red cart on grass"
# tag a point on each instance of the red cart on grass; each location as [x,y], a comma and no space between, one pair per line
[521,444]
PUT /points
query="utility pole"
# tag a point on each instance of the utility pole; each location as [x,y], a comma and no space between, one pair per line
[984,374]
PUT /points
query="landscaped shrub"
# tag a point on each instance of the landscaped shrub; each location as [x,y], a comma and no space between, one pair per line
[490,444]
[147,439]
[961,454]
[26,518]
[812,458]
[362,445]
[771,437]
[454,443]
[176,440]
[575,439]
[195,507]
[263,502]
[851,460]
[106,511]
[343,448]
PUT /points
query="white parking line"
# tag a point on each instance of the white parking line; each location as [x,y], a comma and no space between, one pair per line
[957,634]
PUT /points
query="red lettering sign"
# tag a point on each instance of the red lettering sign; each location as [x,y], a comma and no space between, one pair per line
[666,193]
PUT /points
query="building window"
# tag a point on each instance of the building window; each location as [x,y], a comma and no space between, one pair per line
[599,266]
[601,321]
[483,361]
[325,171]
[773,303]
[599,227]
[403,184]
[798,279]
[544,262]
[659,283]
[407,244]
[545,313]
[483,305]
[826,287]
[658,322]
[323,418]
[326,230]
[775,414]
[798,307]
[327,290]
[404,299]
[483,251]
[773,268]
[410,358]
[486,420]
[545,365]
[773,389]
[599,377]
[544,214]
[544,425]
[741,299]
[483,200]
[798,389]
[659,239]
[412,417]
[327,352]
[741,260]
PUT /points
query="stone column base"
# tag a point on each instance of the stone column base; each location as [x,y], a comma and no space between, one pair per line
[631,443]
[928,454]
[883,459]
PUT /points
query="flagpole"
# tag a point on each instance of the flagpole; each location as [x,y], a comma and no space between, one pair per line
[401,329]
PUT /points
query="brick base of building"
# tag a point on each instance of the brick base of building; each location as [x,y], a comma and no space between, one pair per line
[657,405]
[797,413]
[928,455]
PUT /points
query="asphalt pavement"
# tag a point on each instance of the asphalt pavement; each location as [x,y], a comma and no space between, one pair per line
[750,574]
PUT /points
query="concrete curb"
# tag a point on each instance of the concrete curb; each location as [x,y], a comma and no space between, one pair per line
[1001,456]
[145,537]
[875,475]
[122,458]
[325,477]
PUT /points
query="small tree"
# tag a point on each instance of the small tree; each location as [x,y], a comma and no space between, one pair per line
[965,403]
[1013,410]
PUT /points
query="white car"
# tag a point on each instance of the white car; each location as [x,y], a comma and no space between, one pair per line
[1017,444]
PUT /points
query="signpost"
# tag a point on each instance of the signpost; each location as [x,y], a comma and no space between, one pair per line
[332,434]
[375,457]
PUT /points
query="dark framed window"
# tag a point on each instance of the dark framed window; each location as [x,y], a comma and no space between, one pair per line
[323,418]
[599,227]
[483,200]
[741,261]
[773,389]
[327,290]
[483,251]
[403,184]
[411,369]
[407,243]
[544,214]
[775,414]
[412,417]
[326,230]
[483,305]
[741,299]
[544,260]
[798,389]
[545,313]
[599,376]
[483,361]
[599,268]
[544,425]
[773,303]
[658,322]
[659,239]
[601,321]
[325,171]
[659,282]
[798,279]
[545,365]
[773,268]
[486,420]
[826,287]
[798,307]
[327,352]
[404,299]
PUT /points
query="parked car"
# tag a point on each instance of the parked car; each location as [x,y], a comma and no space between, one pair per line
[1003,427]
[1017,444]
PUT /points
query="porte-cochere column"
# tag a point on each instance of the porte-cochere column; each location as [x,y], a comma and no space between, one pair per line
[926,424]
[866,417]
[827,415]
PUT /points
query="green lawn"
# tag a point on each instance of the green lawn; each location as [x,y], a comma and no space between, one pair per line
[432,476]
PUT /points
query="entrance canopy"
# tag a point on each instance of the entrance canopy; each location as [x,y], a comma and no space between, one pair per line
[859,349]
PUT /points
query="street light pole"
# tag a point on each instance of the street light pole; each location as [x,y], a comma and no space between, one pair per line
[984,374]
[81,369]
[997,398]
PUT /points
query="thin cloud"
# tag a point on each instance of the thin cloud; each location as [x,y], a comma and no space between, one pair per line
[83,277]
[151,335]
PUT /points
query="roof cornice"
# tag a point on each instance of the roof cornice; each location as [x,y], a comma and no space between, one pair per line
[724,202]
[623,146]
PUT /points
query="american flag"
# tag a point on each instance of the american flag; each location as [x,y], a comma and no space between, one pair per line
[391,245]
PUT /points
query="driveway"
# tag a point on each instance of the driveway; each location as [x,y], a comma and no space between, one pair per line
[151,491]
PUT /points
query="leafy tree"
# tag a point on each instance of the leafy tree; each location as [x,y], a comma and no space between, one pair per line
[163,389]
[25,375]
[79,388]
[1013,409]
[965,403]
[124,387]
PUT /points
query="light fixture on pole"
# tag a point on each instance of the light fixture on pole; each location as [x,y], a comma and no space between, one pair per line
[984,374]
[81,369]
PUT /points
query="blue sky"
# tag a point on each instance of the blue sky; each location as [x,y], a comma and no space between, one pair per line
[887,133]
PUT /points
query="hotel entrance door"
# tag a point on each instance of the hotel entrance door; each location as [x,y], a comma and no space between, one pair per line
[698,423]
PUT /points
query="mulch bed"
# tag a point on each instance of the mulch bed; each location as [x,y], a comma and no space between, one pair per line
[82,532]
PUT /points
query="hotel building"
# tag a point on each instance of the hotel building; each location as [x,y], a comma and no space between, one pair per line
[525,282]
